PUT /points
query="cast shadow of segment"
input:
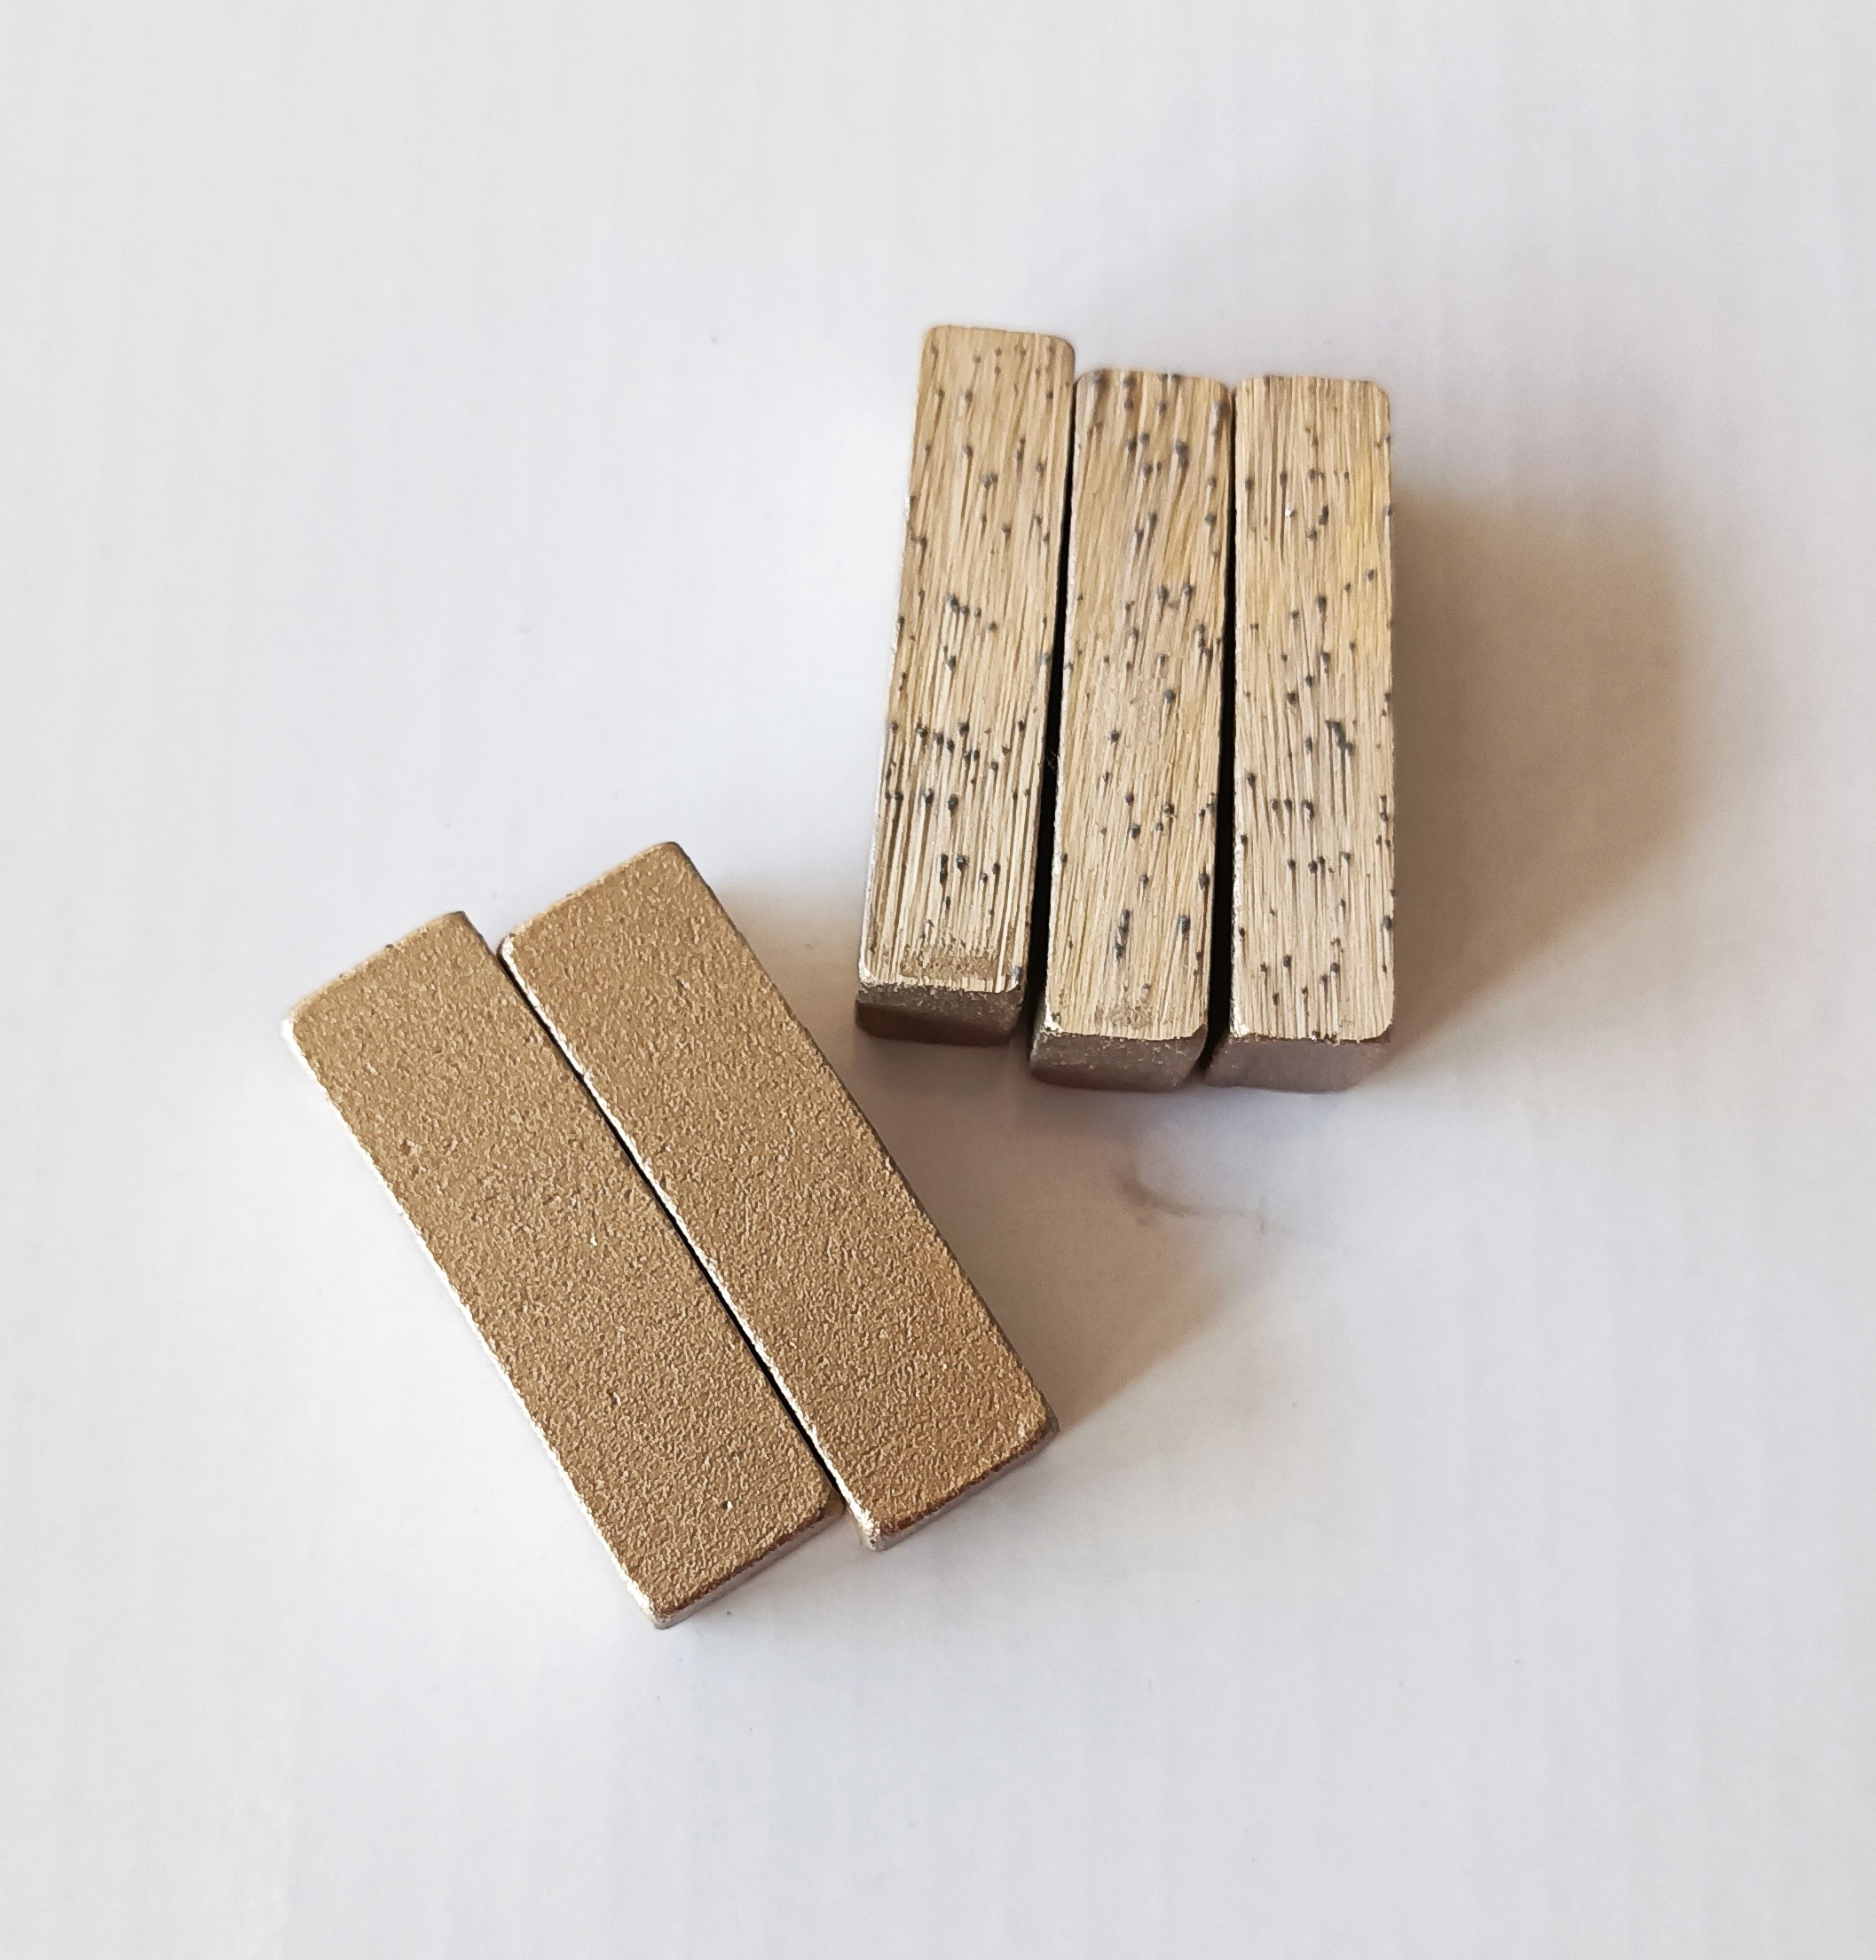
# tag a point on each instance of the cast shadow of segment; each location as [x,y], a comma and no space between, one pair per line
[1093,1273]
[1540,762]
[1540,748]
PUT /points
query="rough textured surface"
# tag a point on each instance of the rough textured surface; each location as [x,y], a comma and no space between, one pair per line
[1312,996]
[892,1365]
[1125,989]
[946,938]
[647,1396]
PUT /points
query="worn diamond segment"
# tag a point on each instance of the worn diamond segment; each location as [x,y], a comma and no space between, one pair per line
[1312,996]
[649,1398]
[890,1361]
[1128,976]
[950,893]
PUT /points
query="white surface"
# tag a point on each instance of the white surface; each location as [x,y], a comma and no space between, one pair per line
[1460,1542]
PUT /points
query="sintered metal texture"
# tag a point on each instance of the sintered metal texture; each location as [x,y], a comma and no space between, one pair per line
[1312,996]
[950,889]
[1125,991]
[656,1410]
[889,1359]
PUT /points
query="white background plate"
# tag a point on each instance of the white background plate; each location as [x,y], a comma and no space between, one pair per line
[445,448]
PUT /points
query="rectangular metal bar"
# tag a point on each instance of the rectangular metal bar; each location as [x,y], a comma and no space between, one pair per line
[945,946]
[1125,989]
[539,1224]
[890,1361]
[1311,999]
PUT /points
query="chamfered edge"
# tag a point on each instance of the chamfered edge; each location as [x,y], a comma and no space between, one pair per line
[1064,349]
[879,1538]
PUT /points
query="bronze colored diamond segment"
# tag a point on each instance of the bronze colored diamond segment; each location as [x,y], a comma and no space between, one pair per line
[891,1363]
[650,1401]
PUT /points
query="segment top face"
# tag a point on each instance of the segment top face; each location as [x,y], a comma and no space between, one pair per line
[563,1257]
[1129,918]
[889,1359]
[954,846]
[1313,897]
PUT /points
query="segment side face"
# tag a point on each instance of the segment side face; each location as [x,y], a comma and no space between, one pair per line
[1130,903]
[881,1346]
[1312,850]
[953,871]
[563,1258]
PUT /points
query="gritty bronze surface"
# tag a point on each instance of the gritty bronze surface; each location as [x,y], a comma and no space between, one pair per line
[889,1359]
[620,1350]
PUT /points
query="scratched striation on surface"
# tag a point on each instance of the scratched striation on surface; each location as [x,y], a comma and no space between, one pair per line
[654,1407]
[890,1361]
[1312,996]
[1127,979]
[951,887]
